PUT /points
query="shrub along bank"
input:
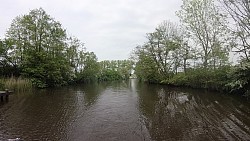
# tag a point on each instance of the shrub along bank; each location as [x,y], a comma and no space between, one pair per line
[224,79]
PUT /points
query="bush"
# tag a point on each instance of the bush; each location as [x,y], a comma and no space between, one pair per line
[202,78]
[179,79]
[110,75]
[240,79]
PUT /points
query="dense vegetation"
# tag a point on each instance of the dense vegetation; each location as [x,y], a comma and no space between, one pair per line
[115,70]
[37,47]
[196,53]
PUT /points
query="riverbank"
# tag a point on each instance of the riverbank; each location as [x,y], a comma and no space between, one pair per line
[16,84]
[234,80]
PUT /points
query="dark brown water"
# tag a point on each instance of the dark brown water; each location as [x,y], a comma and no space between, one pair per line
[124,111]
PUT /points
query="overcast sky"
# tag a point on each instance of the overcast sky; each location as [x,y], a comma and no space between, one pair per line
[110,28]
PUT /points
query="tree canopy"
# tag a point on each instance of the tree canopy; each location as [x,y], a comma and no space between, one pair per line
[196,52]
[37,47]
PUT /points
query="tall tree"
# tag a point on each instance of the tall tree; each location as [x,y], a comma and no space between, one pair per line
[161,46]
[146,68]
[39,48]
[161,53]
[90,68]
[207,27]
[240,13]
[74,51]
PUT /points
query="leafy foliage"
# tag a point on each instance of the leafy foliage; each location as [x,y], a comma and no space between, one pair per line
[115,70]
[239,10]
[195,55]
[161,55]
[207,27]
[240,79]
[38,48]
[90,70]
[146,69]
[202,78]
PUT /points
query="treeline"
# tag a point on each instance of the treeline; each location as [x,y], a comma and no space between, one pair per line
[115,70]
[37,47]
[196,53]
[105,71]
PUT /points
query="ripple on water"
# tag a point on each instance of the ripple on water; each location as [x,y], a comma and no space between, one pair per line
[124,111]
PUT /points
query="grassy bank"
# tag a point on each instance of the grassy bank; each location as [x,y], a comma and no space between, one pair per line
[201,78]
[16,84]
[224,79]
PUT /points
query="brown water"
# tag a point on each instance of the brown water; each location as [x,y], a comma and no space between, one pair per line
[124,111]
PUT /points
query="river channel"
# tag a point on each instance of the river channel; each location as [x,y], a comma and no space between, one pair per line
[124,111]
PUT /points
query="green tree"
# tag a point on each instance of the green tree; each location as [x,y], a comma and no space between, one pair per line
[39,48]
[208,29]
[184,53]
[124,68]
[161,45]
[90,69]
[162,51]
[8,63]
[239,10]
[74,52]
[240,79]
[146,68]
[115,70]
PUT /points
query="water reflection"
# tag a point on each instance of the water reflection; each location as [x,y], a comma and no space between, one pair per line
[36,115]
[113,116]
[88,94]
[125,110]
[174,114]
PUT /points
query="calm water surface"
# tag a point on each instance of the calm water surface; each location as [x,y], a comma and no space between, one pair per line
[124,111]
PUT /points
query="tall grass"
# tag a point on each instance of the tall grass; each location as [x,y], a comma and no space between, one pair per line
[16,84]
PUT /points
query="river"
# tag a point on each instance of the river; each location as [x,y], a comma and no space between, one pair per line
[127,110]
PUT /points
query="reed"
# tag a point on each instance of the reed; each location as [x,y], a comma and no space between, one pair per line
[16,84]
